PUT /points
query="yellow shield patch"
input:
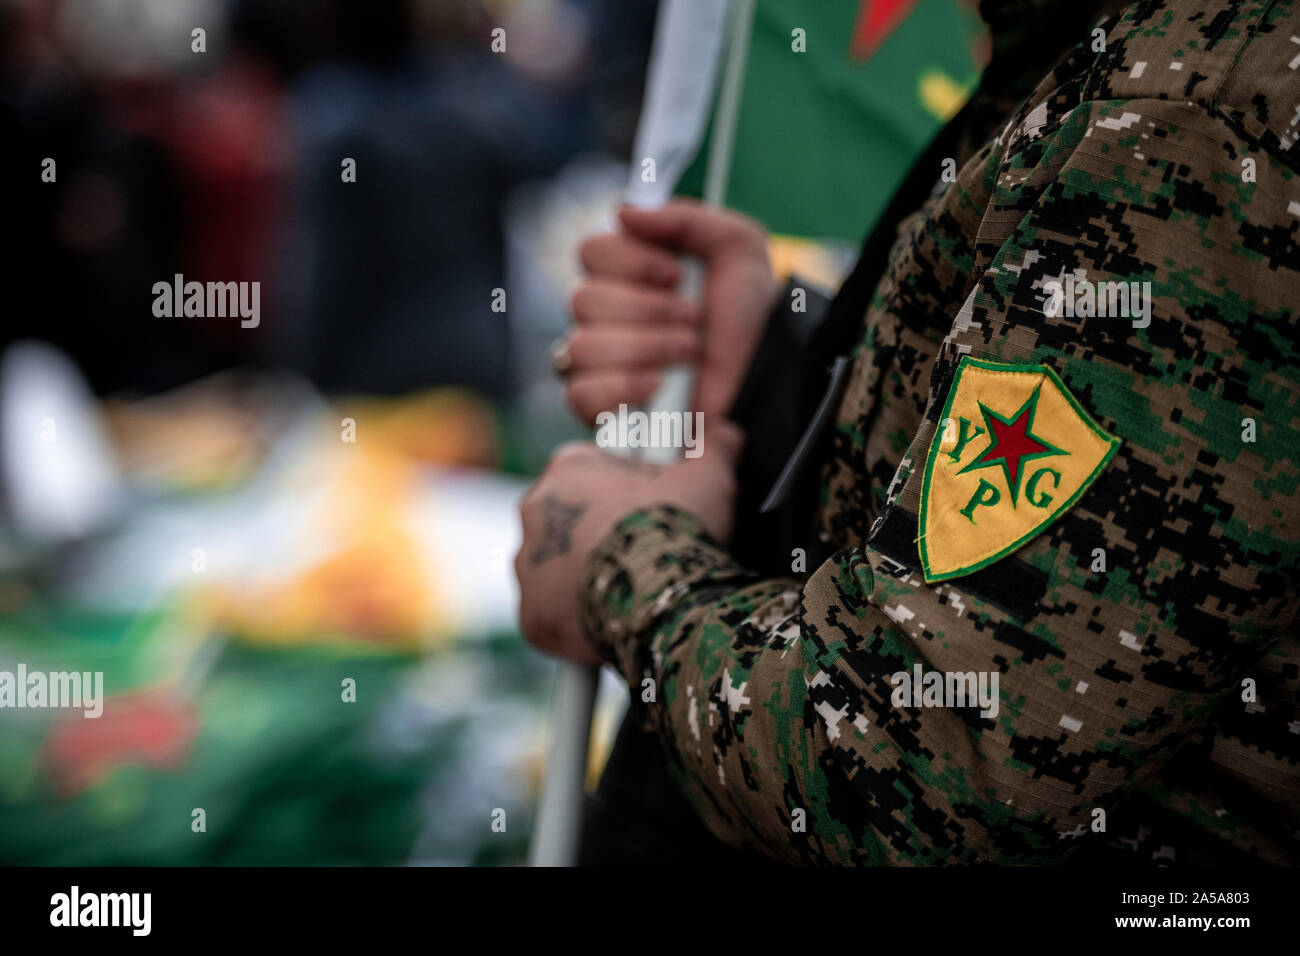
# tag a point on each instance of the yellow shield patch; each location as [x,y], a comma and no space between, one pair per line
[1013,452]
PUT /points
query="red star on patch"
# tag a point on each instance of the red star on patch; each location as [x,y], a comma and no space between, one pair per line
[1013,443]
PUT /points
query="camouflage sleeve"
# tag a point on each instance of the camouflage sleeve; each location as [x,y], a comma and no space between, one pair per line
[779,700]
[697,635]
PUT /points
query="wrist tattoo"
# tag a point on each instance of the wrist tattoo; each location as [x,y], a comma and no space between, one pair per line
[558,519]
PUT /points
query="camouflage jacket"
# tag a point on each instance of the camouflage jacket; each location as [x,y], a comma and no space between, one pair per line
[1091,517]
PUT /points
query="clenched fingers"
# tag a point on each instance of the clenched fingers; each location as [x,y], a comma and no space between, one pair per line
[591,393]
[593,348]
[617,255]
[609,301]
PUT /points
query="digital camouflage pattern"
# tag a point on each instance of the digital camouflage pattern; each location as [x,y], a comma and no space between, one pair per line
[1120,691]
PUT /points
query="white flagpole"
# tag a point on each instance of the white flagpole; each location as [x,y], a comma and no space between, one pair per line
[670,131]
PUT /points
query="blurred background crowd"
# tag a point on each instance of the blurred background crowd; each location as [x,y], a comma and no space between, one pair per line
[230,522]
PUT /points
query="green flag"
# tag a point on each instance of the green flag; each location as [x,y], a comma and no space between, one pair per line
[839,99]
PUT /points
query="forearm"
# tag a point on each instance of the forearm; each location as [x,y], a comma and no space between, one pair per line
[702,642]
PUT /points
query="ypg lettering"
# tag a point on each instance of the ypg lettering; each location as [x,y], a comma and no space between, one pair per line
[1013,444]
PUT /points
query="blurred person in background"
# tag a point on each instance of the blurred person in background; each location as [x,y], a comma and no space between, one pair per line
[226,165]
[166,161]
[392,277]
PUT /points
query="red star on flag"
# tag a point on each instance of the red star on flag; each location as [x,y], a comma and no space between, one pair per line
[877,19]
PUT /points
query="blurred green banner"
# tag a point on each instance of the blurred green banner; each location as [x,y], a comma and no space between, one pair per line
[832,117]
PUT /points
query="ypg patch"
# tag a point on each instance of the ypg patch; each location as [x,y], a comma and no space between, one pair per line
[1014,451]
